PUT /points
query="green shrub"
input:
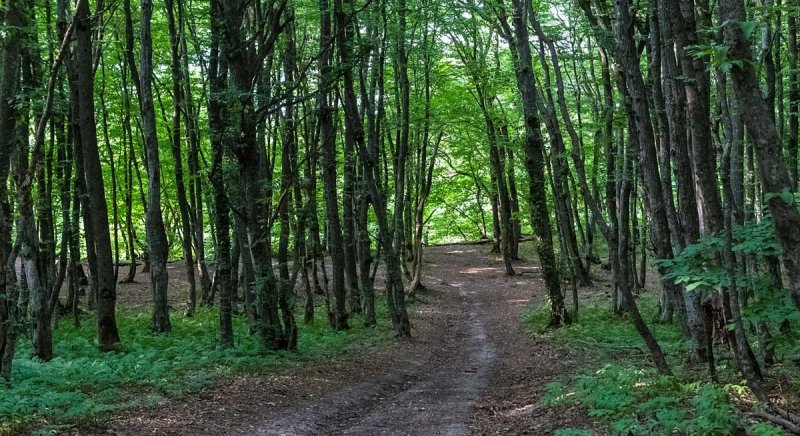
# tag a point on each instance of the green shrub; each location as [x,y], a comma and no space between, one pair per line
[81,383]
[640,401]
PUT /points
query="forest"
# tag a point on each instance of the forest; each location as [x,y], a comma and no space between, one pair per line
[399,217]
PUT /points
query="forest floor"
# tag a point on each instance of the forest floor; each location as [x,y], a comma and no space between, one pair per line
[470,368]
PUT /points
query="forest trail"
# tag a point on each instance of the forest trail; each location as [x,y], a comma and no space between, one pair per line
[470,369]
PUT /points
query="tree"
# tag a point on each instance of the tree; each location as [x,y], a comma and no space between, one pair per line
[179,101]
[107,333]
[774,174]
[534,156]
[216,116]
[156,236]
[327,135]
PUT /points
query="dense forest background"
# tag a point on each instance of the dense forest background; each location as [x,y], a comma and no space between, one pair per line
[297,155]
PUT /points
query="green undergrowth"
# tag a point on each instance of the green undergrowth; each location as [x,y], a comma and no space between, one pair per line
[81,384]
[603,334]
[633,400]
[618,385]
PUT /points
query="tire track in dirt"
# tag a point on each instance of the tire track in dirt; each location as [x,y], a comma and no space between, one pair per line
[431,396]
[471,368]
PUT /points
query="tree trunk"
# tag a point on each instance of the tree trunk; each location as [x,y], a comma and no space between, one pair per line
[156,235]
[344,25]
[774,174]
[216,120]
[794,97]
[328,151]
[640,119]
[179,101]
[534,162]
[107,333]
[561,174]
[10,61]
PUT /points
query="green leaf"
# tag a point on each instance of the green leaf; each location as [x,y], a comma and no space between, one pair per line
[693,286]
[748,27]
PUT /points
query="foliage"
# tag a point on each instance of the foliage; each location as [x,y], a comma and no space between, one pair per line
[632,400]
[598,329]
[81,382]
[698,267]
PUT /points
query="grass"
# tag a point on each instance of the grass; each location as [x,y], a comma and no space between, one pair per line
[81,384]
[604,335]
[618,385]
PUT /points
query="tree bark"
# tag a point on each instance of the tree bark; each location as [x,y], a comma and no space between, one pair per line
[534,160]
[156,235]
[107,332]
[216,120]
[179,101]
[639,120]
[328,150]
[345,37]
[764,135]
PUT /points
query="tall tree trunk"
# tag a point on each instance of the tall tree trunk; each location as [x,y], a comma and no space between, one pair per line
[368,154]
[196,196]
[107,333]
[498,169]
[794,97]
[534,161]
[403,131]
[745,357]
[345,37]
[10,64]
[216,120]
[288,176]
[246,62]
[183,205]
[774,173]
[328,150]
[130,231]
[689,219]
[644,138]
[561,173]
[156,235]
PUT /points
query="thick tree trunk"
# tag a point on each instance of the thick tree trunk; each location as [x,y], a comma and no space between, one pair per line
[179,101]
[10,61]
[794,98]
[644,138]
[216,120]
[344,38]
[106,284]
[328,152]
[287,193]
[684,25]
[774,173]
[534,162]
[689,219]
[156,235]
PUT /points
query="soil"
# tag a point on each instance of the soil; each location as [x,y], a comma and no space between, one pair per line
[470,368]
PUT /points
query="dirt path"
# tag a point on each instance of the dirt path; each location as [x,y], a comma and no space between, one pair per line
[470,369]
